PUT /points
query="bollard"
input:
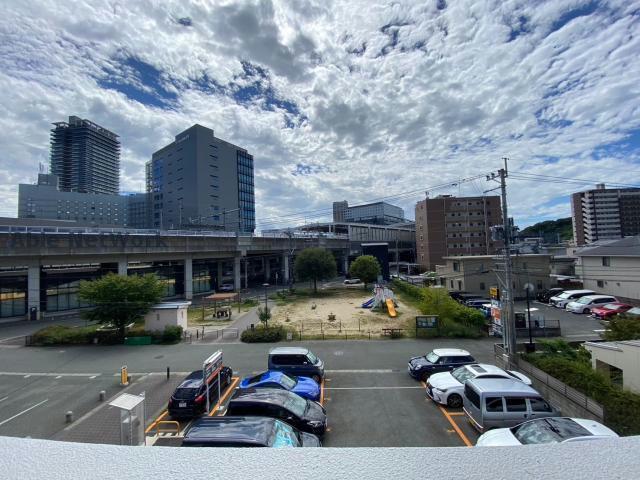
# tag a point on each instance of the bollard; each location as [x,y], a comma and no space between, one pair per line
[68,416]
[197,334]
[168,373]
[124,376]
[102,395]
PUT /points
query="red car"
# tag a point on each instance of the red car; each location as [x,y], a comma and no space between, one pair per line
[609,310]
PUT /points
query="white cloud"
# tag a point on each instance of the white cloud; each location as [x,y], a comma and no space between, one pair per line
[392,98]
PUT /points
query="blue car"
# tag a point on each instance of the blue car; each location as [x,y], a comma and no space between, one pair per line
[303,386]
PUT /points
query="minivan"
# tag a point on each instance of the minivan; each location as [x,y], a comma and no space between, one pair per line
[502,403]
[296,362]
[567,296]
[588,302]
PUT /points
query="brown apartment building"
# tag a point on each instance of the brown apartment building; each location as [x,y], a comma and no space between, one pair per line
[455,226]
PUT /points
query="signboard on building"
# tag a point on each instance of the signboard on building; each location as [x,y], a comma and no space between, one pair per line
[494,292]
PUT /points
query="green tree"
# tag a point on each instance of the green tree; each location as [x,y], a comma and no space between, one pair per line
[119,300]
[623,327]
[264,314]
[366,268]
[315,264]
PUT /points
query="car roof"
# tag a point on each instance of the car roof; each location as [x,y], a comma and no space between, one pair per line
[254,430]
[450,352]
[482,368]
[288,351]
[578,291]
[503,385]
[595,297]
[261,395]
[269,375]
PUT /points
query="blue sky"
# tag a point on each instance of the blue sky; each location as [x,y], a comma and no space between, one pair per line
[353,100]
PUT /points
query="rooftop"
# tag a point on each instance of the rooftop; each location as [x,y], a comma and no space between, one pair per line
[625,247]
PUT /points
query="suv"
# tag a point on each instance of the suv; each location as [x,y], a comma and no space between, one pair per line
[246,432]
[305,415]
[587,303]
[561,300]
[545,295]
[296,362]
[439,360]
[189,399]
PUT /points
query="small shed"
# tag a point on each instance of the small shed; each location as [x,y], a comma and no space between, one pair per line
[167,313]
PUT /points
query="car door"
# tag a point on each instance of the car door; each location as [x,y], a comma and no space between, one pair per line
[539,408]
[516,411]
[303,366]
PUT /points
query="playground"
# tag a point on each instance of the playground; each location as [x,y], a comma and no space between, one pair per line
[343,313]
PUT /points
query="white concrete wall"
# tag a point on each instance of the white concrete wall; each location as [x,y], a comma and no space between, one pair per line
[159,318]
[625,357]
[621,278]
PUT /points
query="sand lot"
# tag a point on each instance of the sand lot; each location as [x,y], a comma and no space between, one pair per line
[312,314]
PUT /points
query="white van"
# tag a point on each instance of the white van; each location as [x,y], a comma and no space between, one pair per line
[502,402]
[567,296]
[588,302]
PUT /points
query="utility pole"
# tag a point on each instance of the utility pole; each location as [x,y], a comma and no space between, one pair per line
[507,313]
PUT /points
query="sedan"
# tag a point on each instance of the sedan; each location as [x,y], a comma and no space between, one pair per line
[438,360]
[447,388]
[303,386]
[610,310]
[546,430]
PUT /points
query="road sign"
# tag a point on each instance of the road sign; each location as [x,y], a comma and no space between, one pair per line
[530,287]
[210,369]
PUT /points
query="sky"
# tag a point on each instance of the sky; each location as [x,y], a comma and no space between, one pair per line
[338,100]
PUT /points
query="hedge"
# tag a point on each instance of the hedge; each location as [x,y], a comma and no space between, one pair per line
[64,335]
[263,335]
[622,407]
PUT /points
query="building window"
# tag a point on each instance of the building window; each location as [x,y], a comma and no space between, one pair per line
[482,287]
[456,266]
[600,283]
[606,261]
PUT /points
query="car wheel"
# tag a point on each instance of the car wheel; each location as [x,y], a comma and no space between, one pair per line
[316,378]
[586,310]
[425,376]
[454,401]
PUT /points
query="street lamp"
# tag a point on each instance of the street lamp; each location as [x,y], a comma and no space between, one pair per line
[266,308]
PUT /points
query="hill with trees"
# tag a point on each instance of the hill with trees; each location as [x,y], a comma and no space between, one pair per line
[549,230]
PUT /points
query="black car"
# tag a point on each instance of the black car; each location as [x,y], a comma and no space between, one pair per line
[457,295]
[545,295]
[439,360]
[306,415]
[189,399]
[246,432]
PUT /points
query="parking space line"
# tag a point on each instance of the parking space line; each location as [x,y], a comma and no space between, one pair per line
[3,399]
[322,393]
[230,389]
[455,426]
[373,388]
[23,412]
[456,414]
[49,374]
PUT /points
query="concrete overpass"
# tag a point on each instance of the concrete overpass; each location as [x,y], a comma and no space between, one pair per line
[42,254]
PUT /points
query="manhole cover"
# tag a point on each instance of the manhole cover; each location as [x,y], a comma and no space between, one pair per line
[338,353]
[158,357]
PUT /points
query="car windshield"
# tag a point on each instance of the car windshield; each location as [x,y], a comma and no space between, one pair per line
[185,393]
[611,306]
[295,404]
[283,436]
[564,295]
[548,430]
[432,357]
[312,358]
[463,374]
[583,300]
[287,382]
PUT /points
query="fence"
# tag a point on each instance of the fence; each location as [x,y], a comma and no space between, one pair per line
[568,398]
[216,334]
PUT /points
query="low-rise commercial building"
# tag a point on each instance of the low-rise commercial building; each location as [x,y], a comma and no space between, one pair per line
[377,213]
[476,274]
[611,268]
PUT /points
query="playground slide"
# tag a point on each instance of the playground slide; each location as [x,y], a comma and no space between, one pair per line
[391,308]
[368,303]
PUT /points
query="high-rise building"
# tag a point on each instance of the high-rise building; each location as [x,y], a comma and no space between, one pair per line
[377,213]
[85,157]
[200,181]
[605,214]
[449,226]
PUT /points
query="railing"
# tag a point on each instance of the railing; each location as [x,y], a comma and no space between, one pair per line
[553,383]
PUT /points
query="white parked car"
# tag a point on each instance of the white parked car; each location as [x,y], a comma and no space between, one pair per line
[567,296]
[546,430]
[587,303]
[447,388]
[352,281]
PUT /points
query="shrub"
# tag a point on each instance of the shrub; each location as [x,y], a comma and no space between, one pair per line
[622,408]
[172,334]
[623,327]
[263,335]
[63,335]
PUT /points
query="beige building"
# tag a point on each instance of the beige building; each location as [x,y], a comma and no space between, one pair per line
[479,273]
[620,361]
[611,268]
[448,226]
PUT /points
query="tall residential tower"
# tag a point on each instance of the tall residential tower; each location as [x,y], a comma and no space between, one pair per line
[85,157]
